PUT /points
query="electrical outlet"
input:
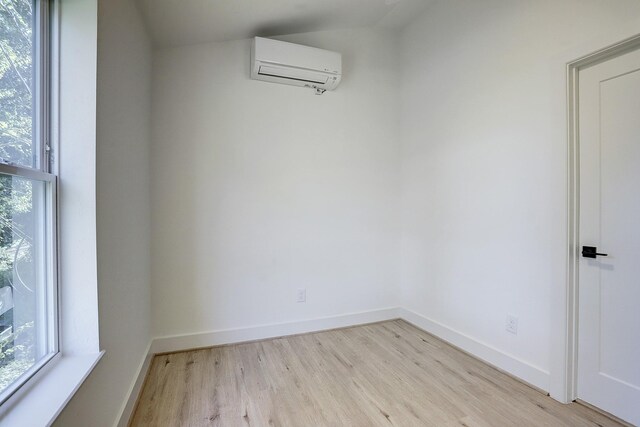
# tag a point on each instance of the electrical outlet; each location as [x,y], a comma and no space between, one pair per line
[512,324]
[301,295]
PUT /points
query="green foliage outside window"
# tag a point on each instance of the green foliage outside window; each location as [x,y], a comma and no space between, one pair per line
[16,76]
[17,147]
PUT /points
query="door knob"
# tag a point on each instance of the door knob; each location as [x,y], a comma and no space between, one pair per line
[591,252]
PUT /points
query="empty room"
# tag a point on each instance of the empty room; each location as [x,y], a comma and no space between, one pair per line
[319,213]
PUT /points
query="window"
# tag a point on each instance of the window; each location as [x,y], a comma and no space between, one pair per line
[28,300]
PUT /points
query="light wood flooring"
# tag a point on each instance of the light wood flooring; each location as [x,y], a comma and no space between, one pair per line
[383,374]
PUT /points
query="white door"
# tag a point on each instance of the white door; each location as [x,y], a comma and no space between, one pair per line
[609,286]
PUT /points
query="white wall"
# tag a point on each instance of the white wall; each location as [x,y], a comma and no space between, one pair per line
[483,164]
[123,214]
[76,75]
[261,188]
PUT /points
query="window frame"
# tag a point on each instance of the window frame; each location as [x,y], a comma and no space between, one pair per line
[44,171]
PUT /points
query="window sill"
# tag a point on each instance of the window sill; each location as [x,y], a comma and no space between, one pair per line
[45,398]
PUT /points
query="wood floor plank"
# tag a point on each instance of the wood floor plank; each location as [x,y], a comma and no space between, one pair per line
[383,374]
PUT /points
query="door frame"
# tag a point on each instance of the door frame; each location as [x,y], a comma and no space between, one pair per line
[573,69]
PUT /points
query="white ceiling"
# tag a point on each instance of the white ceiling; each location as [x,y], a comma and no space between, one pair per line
[179,22]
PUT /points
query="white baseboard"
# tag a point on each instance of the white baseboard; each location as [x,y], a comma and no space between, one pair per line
[252,333]
[135,388]
[528,373]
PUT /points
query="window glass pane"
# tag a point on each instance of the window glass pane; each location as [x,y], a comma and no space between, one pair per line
[24,303]
[17,83]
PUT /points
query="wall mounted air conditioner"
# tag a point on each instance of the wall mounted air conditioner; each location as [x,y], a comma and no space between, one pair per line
[294,64]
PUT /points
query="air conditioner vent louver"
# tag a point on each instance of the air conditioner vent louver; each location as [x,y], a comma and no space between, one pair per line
[292,74]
